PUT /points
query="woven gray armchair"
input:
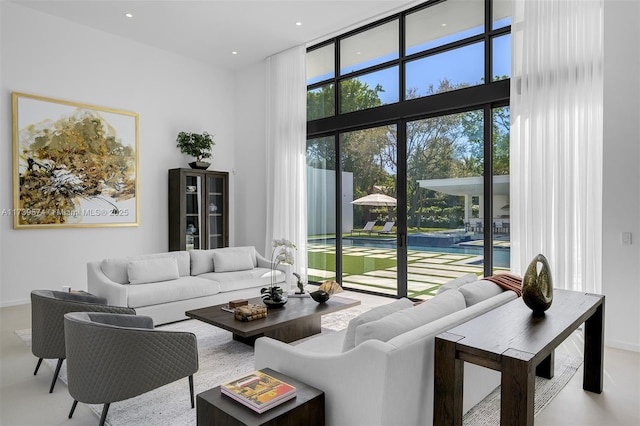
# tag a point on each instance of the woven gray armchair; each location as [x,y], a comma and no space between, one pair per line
[112,357]
[47,321]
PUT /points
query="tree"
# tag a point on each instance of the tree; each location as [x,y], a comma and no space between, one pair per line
[446,146]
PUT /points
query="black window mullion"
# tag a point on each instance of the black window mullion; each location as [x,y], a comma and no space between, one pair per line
[338,201]
[488,22]
[401,50]
[336,80]
[488,191]
[401,208]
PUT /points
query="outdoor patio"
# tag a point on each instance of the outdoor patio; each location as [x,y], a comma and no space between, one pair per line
[373,269]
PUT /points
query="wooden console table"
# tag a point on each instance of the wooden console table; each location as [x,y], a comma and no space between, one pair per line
[512,340]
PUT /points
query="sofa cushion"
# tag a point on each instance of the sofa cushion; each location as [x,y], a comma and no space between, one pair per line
[407,319]
[457,283]
[170,291]
[116,268]
[478,291]
[152,270]
[371,315]
[230,261]
[236,280]
[201,261]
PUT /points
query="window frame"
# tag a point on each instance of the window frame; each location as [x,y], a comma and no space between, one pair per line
[491,94]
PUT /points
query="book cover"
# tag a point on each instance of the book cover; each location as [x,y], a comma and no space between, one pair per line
[259,391]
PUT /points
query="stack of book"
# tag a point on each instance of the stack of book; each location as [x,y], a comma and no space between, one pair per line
[259,391]
[250,312]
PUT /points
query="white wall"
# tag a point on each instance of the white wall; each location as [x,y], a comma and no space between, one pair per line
[251,164]
[48,56]
[621,183]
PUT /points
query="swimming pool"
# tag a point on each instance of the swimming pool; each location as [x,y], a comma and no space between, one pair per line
[501,255]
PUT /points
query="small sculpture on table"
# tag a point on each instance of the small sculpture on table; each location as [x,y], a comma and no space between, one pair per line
[537,287]
[299,283]
[320,296]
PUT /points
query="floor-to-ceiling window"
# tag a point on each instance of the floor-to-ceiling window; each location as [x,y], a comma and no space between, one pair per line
[408,149]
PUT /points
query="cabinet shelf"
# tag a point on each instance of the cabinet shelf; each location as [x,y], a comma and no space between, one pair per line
[191,223]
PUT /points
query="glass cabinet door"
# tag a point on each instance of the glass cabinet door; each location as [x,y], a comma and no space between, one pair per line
[193,219]
[215,211]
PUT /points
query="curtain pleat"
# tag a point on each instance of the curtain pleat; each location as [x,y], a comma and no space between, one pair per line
[557,139]
[286,182]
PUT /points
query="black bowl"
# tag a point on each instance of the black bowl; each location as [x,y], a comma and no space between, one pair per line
[320,296]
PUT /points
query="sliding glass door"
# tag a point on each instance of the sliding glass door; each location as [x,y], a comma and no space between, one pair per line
[369,217]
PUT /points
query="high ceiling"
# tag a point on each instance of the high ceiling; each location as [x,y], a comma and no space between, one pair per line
[210,30]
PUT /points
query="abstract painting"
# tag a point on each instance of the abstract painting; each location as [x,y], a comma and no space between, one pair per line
[74,165]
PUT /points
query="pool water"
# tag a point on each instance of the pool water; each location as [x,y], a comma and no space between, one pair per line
[501,255]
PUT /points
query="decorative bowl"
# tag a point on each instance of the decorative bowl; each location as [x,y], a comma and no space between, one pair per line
[269,303]
[320,296]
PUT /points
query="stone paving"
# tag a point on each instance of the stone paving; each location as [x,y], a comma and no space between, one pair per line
[426,270]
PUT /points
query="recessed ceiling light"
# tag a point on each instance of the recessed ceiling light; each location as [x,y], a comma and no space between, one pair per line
[299,24]
[234,53]
[129,15]
[444,25]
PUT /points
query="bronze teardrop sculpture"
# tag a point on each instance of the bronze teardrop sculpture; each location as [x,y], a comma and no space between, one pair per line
[537,288]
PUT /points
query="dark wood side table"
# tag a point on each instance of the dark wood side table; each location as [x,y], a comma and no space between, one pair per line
[307,408]
[511,340]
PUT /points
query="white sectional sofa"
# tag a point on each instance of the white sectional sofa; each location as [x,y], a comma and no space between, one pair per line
[379,370]
[165,285]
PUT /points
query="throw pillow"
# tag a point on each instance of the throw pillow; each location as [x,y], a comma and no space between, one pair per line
[232,260]
[153,270]
[407,319]
[371,315]
[478,291]
[457,283]
[201,261]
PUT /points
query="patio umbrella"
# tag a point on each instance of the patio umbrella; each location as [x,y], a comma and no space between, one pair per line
[376,200]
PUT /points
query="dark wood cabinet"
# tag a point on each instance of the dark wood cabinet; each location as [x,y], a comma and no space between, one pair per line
[198,209]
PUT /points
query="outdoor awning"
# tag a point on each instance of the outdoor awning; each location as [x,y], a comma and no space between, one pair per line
[467,185]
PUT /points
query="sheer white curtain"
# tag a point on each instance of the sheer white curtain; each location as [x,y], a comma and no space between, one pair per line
[557,138]
[286,147]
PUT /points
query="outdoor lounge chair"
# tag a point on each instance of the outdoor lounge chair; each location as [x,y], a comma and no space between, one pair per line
[367,228]
[386,229]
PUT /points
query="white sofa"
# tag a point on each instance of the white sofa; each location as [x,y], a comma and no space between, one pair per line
[165,285]
[379,370]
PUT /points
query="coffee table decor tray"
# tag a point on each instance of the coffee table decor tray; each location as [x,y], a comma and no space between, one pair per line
[250,312]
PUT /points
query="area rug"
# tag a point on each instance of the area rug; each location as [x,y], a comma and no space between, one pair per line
[487,411]
[222,359]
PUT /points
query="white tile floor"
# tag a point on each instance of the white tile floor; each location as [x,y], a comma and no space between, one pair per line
[24,398]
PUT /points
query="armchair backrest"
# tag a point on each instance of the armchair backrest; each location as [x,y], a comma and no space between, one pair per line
[112,357]
[47,318]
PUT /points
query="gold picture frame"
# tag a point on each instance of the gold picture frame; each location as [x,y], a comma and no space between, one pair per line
[74,165]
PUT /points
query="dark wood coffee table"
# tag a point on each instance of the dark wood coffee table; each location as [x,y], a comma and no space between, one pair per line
[299,318]
[510,339]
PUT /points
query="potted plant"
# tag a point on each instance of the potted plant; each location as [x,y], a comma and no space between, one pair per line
[197,145]
[282,253]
